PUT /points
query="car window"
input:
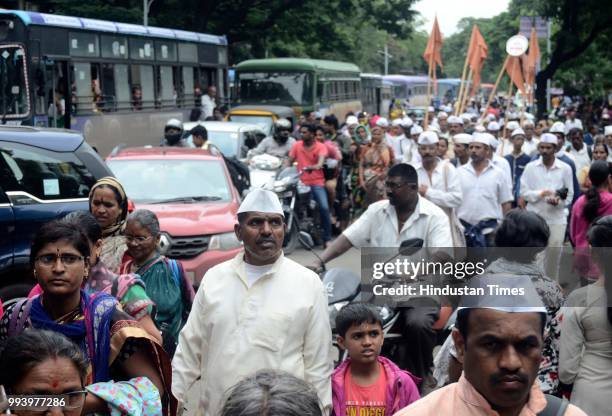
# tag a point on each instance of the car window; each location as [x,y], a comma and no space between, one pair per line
[42,173]
[150,181]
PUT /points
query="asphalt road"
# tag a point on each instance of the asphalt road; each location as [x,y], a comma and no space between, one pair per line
[350,260]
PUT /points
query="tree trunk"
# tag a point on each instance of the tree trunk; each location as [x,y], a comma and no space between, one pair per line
[540,94]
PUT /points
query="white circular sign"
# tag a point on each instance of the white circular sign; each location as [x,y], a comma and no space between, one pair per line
[517,45]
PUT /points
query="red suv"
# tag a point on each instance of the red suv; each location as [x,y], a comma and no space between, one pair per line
[191,193]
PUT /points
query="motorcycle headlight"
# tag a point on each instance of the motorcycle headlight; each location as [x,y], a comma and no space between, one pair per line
[164,243]
[281,184]
[224,242]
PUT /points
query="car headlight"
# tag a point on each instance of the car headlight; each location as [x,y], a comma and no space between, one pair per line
[224,242]
[164,244]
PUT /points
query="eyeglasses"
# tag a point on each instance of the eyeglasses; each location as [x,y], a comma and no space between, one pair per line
[394,185]
[66,259]
[43,403]
[137,239]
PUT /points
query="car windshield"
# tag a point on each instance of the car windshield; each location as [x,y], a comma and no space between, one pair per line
[281,88]
[263,122]
[13,87]
[172,180]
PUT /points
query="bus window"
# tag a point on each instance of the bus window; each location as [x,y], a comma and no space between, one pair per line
[166,93]
[142,87]
[165,51]
[13,82]
[84,44]
[122,87]
[141,49]
[82,96]
[187,85]
[114,47]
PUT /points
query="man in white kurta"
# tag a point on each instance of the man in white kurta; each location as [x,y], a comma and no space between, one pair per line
[247,317]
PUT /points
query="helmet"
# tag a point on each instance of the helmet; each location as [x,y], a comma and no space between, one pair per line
[282,128]
[174,123]
[282,124]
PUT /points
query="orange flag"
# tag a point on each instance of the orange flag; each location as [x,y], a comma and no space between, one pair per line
[514,68]
[533,56]
[434,46]
[477,53]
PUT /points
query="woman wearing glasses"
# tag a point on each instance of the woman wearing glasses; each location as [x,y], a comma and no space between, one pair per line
[44,371]
[116,347]
[109,205]
[164,278]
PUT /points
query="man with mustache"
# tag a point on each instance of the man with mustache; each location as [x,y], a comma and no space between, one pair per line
[259,310]
[498,339]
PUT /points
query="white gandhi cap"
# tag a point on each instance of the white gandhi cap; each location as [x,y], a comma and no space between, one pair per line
[549,138]
[261,200]
[428,137]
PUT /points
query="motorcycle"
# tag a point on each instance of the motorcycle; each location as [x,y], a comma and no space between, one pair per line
[263,170]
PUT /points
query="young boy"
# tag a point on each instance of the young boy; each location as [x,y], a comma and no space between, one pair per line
[367,383]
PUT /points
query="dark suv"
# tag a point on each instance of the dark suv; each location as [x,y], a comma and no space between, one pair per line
[44,174]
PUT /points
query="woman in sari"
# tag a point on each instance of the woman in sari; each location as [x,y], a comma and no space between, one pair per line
[164,278]
[375,160]
[109,205]
[116,347]
[128,289]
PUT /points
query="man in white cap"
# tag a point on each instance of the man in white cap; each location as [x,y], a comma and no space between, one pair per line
[411,154]
[461,146]
[579,151]
[455,125]
[259,310]
[438,180]
[558,129]
[443,124]
[547,187]
[486,194]
[497,160]
[493,128]
[505,147]
[396,138]
[530,146]
[498,340]
[517,160]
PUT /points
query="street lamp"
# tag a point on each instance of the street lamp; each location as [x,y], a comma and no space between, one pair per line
[387,55]
[146,5]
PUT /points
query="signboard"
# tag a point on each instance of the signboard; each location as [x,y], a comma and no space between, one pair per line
[540,24]
[517,45]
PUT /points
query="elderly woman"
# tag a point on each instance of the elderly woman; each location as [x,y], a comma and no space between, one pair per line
[164,278]
[375,160]
[116,347]
[29,361]
[109,204]
[128,289]
[585,356]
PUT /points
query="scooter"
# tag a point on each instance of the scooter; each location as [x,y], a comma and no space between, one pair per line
[263,170]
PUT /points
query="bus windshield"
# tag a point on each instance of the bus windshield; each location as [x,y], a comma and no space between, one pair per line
[13,87]
[282,88]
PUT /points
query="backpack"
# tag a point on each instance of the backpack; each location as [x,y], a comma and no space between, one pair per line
[554,406]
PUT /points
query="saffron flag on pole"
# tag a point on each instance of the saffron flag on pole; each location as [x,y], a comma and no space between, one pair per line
[531,62]
[514,68]
[432,51]
[477,53]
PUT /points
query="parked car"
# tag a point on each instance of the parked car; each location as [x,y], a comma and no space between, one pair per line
[191,193]
[263,116]
[233,139]
[44,174]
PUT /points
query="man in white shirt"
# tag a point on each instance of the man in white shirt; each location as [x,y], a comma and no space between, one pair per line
[438,181]
[547,187]
[530,146]
[571,121]
[208,102]
[259,310]
[411,153]
[462,149]
[608,142]
[506,146]
[455,125]
[486,194]
[395,139]
[499,161]
[578,150]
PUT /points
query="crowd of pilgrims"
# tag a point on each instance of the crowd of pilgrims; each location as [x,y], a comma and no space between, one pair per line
[124,304]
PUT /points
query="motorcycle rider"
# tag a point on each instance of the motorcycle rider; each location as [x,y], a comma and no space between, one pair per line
[173,133]
[279,144]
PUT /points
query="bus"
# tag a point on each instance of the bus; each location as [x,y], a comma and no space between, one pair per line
[375,94]
[114,82]
[305,85]
[411,90]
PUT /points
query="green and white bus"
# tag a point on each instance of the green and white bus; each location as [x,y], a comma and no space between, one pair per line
[305,85]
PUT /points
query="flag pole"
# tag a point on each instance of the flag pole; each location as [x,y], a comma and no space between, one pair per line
[509,101]
[429,76]
[494,90]
[465,92]
[463,75]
